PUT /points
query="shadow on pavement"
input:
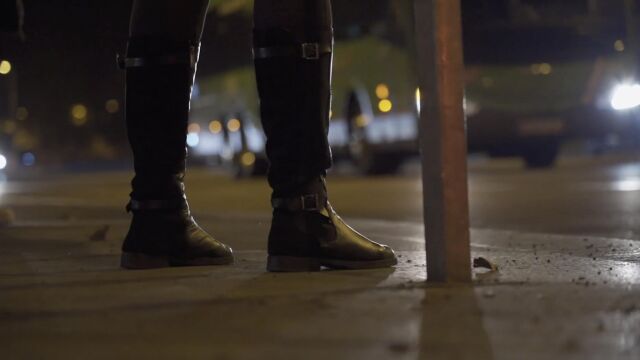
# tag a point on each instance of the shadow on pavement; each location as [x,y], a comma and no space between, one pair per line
[452,325]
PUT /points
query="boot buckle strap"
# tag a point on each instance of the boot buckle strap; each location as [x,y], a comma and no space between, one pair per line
[308,202]
[137,205]
[306,51]
[310,51]
[187,58]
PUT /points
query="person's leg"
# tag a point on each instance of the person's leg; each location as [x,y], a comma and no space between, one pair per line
[160,64]
[293,44]
[294,92]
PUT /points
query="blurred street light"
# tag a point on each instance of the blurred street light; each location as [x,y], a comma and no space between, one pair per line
[248,158]
[362,120]
[215,126]
[193,128]
[541,69]
[382,91]
[193,139]
[545,69]
[5,67]
[78,114]
[625,97]
[28,159]
[385,105]
[233,125]
[112,106]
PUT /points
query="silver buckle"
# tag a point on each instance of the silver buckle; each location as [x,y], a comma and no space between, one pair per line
[310,51]
[310,202]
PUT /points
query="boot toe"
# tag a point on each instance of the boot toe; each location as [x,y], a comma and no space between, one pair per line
[205,251]
[224,252]
[387,253]
[156,240]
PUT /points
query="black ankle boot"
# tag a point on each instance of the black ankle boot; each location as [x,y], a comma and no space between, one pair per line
[160,237]
[162,232]
[293,56]
[306,234]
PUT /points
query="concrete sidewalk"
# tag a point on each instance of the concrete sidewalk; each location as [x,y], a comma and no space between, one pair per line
[62,295]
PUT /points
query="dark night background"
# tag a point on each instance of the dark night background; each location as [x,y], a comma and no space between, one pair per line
[68,57]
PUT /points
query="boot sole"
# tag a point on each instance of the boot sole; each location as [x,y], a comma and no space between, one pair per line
[138,261]
[307,264]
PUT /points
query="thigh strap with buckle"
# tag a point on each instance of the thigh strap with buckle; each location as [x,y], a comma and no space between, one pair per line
[142,205]
[307,51]
[308,202]
[189,57]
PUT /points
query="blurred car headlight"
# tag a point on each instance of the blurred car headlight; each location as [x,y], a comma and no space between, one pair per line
[625,96]
[193,139]
[471,107]
[3,162]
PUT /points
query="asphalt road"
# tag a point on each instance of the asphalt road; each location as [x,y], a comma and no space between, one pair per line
[580,196]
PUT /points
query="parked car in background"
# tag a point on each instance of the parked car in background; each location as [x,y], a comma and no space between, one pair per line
[4,161]
[538,72]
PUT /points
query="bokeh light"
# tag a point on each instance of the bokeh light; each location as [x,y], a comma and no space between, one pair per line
[215,126]
[28,159]
[112,106]
[79,114]
[382,91]
[193,139]
[193,128]
[233,125]
[248,159]
[385,105]
[5,67]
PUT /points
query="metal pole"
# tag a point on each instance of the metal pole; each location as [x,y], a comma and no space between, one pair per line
[443,140]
